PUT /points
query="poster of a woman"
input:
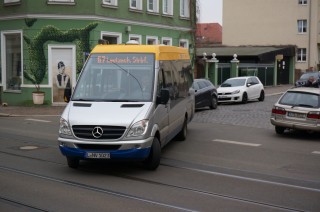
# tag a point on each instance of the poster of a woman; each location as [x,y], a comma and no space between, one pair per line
[61,66]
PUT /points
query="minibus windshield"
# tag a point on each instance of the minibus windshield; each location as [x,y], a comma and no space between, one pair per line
[116,77]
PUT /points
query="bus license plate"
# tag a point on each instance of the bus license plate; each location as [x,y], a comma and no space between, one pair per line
[98,155]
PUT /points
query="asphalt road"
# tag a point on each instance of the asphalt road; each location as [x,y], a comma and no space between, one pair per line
[232,160]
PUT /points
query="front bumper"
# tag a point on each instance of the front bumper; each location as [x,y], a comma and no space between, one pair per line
[230,98]
[134,149]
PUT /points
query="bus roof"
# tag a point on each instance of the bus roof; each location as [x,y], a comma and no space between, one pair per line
[162,52]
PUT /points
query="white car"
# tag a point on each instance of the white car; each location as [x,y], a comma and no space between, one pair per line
[241,89]
[298,108]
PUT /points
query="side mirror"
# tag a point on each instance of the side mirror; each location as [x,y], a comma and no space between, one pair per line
[164,96]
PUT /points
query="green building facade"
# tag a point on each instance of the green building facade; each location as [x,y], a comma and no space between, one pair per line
[40,36]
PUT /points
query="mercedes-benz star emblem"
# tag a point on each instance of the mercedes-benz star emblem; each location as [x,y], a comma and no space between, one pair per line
[97,132]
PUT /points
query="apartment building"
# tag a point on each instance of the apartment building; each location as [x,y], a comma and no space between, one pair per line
[44,43]
[275,23]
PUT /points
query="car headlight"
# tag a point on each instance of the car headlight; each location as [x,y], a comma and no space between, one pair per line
[64,129]
[138,129]
[235,92]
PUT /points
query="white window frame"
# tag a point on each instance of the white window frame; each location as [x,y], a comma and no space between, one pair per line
[185,8]
[163,39]
[302,26]
[11,1]
[138,5]
[66,1]
[135,37]
[112,34]
[303,2]
[155,4]
[154,38]
[167,7]
[301,53]
[110,2]
[185,43]
[4,59]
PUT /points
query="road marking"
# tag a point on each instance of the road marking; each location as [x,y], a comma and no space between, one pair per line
[38,120]
[237,142]
[316,152]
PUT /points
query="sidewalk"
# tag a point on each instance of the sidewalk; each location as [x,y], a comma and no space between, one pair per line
[42,110]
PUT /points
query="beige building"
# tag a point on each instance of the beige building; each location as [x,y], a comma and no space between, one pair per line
[275,23]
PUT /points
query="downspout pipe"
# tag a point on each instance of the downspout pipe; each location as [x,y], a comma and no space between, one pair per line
[309,40]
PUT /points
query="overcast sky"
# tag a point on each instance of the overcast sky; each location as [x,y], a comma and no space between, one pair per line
[210,11]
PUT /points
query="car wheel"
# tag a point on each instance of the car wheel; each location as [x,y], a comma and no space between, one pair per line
[244,98]
[279,130]
[183,133]
[153,160]
[261,98]
[73,162]
[214,103]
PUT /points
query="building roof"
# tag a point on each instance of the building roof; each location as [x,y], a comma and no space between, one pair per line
[262,52]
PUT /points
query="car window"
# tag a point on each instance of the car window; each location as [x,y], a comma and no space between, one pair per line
[255,80]
[195,86]
[300,99]
[208,83]
[202,84]
[233,82]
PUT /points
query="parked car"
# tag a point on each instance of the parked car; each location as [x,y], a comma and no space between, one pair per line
[304,78]
[205,94]
[241,89]
[298,108]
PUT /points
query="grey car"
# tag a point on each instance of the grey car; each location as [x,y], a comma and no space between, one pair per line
[298,108]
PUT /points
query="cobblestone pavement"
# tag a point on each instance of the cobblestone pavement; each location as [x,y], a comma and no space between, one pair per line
[253,114]
[228,114]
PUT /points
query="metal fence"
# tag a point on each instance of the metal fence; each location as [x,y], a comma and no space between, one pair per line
[265,72]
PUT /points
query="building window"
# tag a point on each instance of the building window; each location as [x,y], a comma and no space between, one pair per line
[302,26]
[135,38]
[11,60]
[303,2]
[110,2]
[11,1]
[67,1]
[166,41]
[302,55]
[136,4]
[167,7]
[184,43]
[111,37]
[153,6]
[152,40]
[184,8]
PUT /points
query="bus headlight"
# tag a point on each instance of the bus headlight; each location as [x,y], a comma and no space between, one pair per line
[138,129]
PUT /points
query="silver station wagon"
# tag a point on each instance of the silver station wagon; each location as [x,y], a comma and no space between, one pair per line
[298,108]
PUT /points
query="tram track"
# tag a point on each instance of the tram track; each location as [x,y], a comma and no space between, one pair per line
[141,180]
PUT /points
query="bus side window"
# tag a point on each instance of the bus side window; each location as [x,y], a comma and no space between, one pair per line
[161,83]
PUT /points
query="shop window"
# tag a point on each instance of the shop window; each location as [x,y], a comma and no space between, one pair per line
[12,61]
